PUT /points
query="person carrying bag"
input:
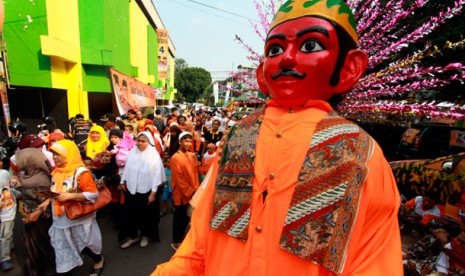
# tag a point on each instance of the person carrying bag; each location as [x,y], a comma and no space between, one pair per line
[77,209]
[73,184]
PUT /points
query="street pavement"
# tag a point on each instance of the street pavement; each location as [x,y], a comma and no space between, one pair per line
[131,261]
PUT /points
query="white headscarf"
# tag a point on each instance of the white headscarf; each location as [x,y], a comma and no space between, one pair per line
[144,170]
[149,136]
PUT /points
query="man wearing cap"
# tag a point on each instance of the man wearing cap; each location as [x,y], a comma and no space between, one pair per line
[31,141]
[109,123]
[184,182]
[298,190]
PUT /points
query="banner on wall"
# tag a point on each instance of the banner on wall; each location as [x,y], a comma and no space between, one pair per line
[131,93]
[5,103]
[3,92]
[163,54]
[2,15]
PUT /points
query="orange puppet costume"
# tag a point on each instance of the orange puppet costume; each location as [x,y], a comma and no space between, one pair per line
[297,189]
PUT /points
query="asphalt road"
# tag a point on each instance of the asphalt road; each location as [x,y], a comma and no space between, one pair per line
[131,261]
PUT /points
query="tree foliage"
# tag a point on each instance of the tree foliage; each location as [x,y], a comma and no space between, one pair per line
[416,65]
[180,63]
[192,83]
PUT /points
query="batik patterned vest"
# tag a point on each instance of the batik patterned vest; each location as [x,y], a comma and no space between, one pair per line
[325,202]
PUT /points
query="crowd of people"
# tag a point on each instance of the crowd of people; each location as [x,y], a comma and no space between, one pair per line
[149,164]
[439,240]
[297,189]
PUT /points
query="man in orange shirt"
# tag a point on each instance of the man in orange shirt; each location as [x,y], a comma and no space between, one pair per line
[298,190]
[184,182]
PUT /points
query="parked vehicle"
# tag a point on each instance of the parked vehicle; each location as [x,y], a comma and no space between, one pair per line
[197,106]
[180,106]
[146,110]
[431,141]
[443,177]
[165,109]
[240,112]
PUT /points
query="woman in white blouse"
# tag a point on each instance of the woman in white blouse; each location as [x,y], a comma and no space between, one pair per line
[142,175]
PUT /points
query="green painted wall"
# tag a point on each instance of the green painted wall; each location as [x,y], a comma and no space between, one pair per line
[117,33]
[104,31]
[96,78]
[26,64]
[104,36]
[91,31]
[152,56]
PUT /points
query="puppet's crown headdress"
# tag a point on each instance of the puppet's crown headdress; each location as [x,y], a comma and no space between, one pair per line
[335,10]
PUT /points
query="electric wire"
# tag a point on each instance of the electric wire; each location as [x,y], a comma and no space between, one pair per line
[222,10]
[216,15]
[218,9]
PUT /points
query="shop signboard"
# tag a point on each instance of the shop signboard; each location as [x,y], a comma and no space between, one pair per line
[163,54]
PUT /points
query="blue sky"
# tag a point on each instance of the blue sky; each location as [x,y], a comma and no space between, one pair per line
[204,37]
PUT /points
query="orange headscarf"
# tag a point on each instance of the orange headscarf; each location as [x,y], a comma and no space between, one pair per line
[154,131]
[70,151]
[94,148]
[151,128]
[195,147]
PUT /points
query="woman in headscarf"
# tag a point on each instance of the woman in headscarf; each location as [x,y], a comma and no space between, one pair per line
[97,141]
[120,145]
[55,136]
[196,139]
[156,137]
[33,141]
[142,175]
[199,129]
[174,140]
[31,172]
[71,238]
[182,122]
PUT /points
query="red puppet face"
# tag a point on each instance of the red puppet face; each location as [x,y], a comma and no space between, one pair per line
[300,57]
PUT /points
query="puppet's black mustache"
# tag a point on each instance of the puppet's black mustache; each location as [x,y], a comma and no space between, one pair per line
[288,73]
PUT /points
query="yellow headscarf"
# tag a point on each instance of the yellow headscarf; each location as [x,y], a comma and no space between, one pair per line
[70,151]
[94,148]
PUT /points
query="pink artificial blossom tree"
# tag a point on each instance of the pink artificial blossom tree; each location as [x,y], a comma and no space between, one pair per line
[397,71]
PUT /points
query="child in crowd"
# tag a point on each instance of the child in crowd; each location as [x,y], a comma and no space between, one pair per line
[210,153]
[207,160]
[89,165]
[115,137]
[167,190]
[7,217]
[129,129]
[122,147]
